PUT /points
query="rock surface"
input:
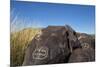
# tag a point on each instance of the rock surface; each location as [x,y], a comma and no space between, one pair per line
[57,44]
[82,55]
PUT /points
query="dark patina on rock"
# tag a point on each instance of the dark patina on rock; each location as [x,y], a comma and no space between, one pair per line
[52,45]
[58,44]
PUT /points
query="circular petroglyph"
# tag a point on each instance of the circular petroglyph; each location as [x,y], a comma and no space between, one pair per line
[85,45]
[40,53]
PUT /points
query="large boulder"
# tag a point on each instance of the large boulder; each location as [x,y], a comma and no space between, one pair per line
[82,55]
[52,45]
[87,51]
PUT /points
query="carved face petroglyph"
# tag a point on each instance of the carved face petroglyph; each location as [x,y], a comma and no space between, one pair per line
[85,45]
[40,53]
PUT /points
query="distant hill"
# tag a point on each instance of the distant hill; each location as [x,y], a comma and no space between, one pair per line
[85,34]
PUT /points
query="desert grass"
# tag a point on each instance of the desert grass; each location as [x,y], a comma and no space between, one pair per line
[18,44]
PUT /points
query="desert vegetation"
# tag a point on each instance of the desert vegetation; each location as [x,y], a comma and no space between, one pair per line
[18,43]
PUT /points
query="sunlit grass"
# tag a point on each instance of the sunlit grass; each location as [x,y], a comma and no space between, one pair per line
[19,42]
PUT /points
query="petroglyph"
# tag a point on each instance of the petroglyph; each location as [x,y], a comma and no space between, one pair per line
[85,45]
[40,53]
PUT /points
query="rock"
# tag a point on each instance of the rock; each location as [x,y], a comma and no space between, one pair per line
[87,52]
[60,44]
[87,39]
[82,55]
[53,45]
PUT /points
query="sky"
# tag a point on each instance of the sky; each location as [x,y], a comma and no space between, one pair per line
[35,14]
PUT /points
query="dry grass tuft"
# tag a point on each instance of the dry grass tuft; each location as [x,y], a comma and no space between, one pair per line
[19,42]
